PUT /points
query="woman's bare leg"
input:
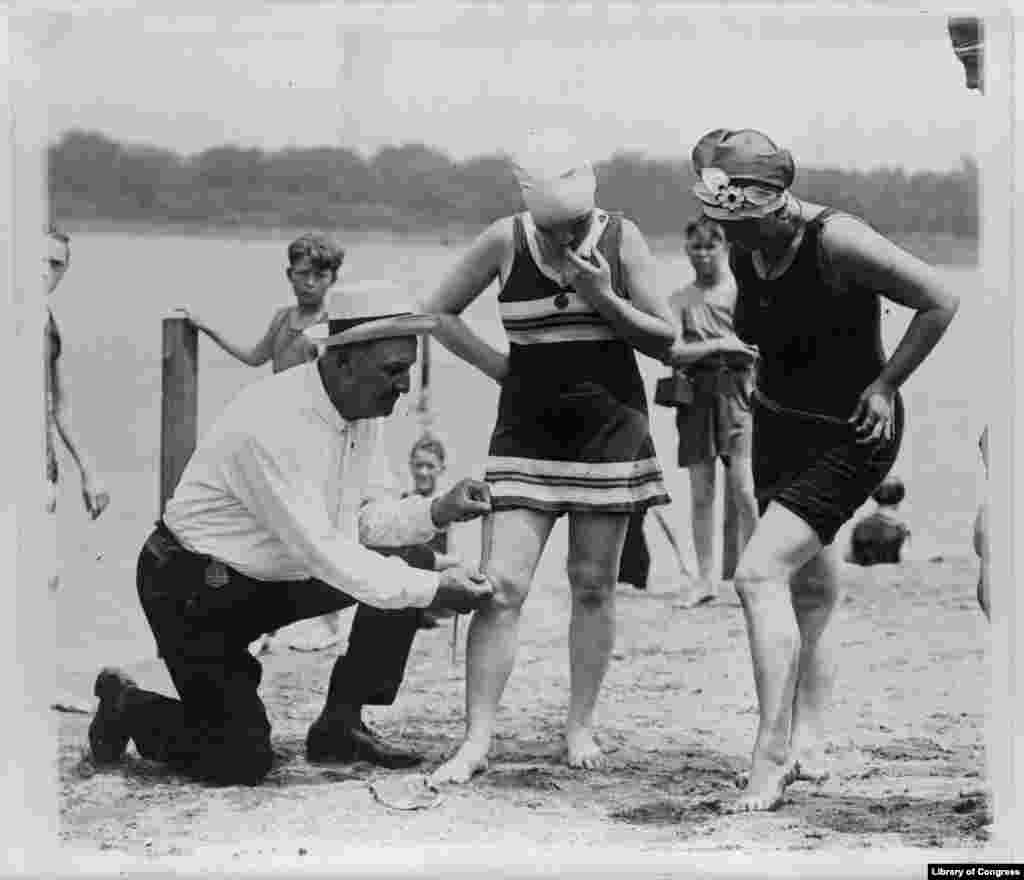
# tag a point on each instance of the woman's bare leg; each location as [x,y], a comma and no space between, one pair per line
[595,545]
[517,540]
[781,544]
[816,590]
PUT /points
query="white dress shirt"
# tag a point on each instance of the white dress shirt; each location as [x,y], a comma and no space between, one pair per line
[284,488]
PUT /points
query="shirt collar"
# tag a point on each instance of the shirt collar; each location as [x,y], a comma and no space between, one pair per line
[322,404]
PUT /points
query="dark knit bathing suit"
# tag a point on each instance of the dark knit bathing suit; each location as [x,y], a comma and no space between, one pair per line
[821,346]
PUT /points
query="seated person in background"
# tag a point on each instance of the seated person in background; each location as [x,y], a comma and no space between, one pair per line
[427,466]
[881,536]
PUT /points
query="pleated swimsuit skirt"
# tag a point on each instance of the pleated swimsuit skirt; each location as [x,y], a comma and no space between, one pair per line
[572,433]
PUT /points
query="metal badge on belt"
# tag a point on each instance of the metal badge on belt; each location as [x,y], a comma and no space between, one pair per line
[216,574]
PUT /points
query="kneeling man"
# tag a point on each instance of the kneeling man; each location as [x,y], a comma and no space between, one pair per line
[271,523]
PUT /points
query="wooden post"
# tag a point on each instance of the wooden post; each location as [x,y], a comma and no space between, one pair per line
[730,535]
[180,398]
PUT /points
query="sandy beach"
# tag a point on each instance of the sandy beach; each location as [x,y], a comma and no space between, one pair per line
[677,716]
[678,709]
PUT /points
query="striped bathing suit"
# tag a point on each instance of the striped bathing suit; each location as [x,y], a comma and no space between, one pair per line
[572,433]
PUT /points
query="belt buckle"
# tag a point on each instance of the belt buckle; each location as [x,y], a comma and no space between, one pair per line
[216,574]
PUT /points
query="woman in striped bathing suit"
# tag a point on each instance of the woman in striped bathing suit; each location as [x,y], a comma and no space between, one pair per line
[572,434]
[828,420]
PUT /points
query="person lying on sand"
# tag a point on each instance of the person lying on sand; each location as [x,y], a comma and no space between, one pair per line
[269,525]
[881,536]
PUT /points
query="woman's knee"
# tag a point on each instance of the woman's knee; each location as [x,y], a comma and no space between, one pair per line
[755,577]
[817,585]
[592,582]
[510,589]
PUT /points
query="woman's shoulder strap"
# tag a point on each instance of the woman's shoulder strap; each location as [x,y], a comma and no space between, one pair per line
[518,233]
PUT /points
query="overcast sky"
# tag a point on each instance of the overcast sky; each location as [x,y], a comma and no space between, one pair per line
[836,87]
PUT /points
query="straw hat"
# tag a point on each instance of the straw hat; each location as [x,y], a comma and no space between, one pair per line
[368,310]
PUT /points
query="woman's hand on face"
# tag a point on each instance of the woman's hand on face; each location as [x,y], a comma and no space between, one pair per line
[590,278]
[872,418]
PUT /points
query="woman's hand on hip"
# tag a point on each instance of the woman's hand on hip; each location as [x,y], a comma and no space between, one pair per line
[872,418]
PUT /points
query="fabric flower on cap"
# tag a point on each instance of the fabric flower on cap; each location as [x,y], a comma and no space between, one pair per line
[722,198]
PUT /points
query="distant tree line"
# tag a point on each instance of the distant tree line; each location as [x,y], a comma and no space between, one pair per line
[414,188]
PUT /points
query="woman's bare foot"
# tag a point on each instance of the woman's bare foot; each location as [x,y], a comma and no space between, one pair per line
[703,591]
[810,766]
[764,787]
[582,750]
[466,763]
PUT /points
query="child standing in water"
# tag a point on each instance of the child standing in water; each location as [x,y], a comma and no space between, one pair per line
[313,264]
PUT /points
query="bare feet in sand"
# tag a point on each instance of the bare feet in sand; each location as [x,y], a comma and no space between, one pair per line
[810,766]
[466,763]
[582,750]
[702,592]
[764,788]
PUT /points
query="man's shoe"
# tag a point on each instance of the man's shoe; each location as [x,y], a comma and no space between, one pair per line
[107,737]
[348,743]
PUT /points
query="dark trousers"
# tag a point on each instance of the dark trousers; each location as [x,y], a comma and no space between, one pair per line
[203,617]
[635,564]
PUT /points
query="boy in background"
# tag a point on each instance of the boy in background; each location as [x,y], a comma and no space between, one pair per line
[427,465]
[313,264]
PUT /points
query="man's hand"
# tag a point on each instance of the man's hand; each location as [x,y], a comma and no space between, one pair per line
[466,500]
[461,591]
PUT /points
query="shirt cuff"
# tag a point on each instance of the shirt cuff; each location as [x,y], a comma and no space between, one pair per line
[422,587]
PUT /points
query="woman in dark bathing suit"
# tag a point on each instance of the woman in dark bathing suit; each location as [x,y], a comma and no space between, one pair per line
[828,420]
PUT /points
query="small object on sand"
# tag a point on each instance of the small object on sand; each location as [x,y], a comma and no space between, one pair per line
[408,792]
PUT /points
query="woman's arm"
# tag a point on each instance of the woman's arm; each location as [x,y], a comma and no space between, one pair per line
[870,259]
[94,495]
[469,278]
[682,354]
[644,320]
[254,356]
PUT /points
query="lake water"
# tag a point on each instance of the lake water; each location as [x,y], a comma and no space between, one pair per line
[120,287]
